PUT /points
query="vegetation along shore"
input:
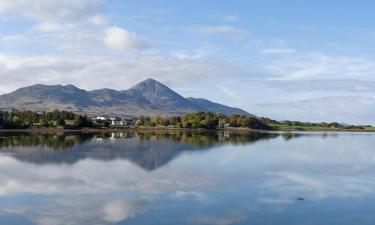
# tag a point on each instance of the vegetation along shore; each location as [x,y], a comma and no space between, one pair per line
[63,120]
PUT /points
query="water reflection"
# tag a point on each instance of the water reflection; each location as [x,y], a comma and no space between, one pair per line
[68,140]
[149,150]
[186,178]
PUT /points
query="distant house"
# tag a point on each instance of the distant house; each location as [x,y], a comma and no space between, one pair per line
[99,118]
[6,110]
[116,121]
[221,123]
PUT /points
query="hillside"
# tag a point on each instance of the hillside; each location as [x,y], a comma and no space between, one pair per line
[149,97]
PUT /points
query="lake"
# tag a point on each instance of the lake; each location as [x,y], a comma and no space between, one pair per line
[194,178]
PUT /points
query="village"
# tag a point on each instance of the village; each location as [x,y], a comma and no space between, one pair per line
[113,121]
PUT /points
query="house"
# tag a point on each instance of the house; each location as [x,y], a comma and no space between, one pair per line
[102,118]
[6,110]
[221,123]
[114,121]
[117,121]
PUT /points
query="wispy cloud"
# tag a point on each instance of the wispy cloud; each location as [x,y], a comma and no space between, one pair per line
[222,30]
[102,203]
[328,85]
[231,18]
[72,26]
[339,109]
[49,10]
[293,65]
[276,51]
[228,92]
[227,218]
[122,209]
[92,72]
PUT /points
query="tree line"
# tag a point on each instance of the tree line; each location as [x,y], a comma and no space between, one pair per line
[204,120]
[18,119]
[321,125]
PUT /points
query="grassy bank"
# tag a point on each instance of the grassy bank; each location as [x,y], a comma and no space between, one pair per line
[282,127]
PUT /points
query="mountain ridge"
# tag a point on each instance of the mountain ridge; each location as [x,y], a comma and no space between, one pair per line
[148,97]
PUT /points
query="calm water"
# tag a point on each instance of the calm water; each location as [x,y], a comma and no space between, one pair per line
[187,178]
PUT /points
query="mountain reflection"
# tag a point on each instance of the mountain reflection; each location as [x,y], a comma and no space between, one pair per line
[156,177]
[149,150]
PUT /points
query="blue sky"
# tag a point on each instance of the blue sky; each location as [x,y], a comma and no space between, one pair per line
[302,60]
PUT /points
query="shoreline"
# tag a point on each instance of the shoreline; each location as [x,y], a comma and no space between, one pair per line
[94,130]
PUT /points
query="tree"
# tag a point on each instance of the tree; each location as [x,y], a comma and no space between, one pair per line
[82,121]
[43,122]
[1,119]
[61,122]
[158,120]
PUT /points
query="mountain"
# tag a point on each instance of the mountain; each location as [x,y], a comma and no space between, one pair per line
[216,107]
[163,97]
[149,97]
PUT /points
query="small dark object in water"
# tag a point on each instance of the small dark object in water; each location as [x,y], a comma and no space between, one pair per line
[300,199]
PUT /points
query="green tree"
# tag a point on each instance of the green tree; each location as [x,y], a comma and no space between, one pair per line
[158,120]
[43,122]
[61,122]
[82,121]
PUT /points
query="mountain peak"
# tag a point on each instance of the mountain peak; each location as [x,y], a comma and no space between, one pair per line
[149,83]
[151,88]
[70,86]
[162,96]
[149,97]
[150,80]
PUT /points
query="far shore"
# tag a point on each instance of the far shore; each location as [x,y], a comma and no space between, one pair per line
[94,130]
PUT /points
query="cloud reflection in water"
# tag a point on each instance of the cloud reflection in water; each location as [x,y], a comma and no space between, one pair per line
[106,179]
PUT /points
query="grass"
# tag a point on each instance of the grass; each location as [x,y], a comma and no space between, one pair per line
[284,127]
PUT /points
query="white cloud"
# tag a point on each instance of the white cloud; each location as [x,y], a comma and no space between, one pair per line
[354,110]
[225,30]
[328,85]
[231,18]
[122,209]
[226,218]
[123,40]
[278,51]
[53,27]
[229,92]
[197,54]
[12,38]
[285,186]
[74,188]
[225,18]
[98,19]
[92,72]
[66,26]
[49,10]
[291,64]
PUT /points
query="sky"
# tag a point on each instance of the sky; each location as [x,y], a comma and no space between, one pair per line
[297,60]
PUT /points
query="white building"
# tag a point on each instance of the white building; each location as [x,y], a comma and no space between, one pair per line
[100,118]
[116,121]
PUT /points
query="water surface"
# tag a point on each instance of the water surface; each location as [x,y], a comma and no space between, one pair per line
[201,178]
